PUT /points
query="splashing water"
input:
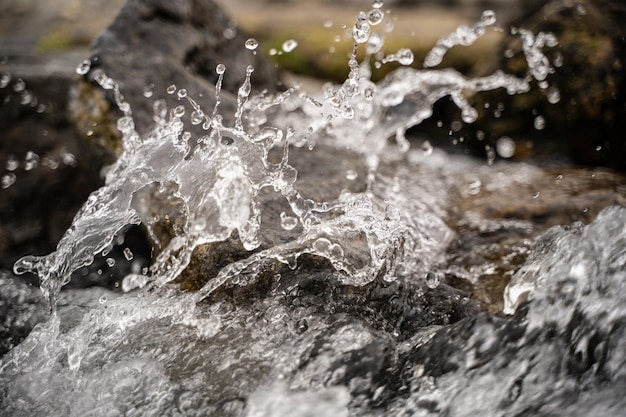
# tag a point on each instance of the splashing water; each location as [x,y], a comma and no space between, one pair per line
[218,177]
[163,352]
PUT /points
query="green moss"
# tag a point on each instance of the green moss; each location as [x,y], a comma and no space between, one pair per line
[56,40]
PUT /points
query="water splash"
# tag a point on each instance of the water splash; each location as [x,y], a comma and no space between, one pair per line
[218,177]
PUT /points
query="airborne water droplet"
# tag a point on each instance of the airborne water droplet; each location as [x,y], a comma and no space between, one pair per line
[128,254]
[171,89]
[505,146]
[488,17]
[251,44]
[290,45]
[110,262]
[84,67]
[375,16]
[220,69]
[8,180]
[288,222]
[540,123]
[182,93]
[427,148]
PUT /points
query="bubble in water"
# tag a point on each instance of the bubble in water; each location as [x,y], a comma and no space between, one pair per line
[289,45]
[220,69]
[103,299]
[171,89]
[488,17]
[7,180]
[182,93]
[251,44]
[128,254]
[375,16]
[84,67]
[110,262]
[505,146]
[540,123]
[288,222]
[433,279]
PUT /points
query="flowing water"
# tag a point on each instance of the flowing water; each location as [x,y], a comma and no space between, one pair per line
[337,309]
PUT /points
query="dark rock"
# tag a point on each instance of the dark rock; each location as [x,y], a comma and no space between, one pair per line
[153,44]
[589,121]
[48,155]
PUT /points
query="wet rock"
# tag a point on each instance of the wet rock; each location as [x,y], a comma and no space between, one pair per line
[154,44]
[561,352]
[586,118]
[42,156]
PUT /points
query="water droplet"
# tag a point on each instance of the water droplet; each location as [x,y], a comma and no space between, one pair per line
[427,148]
[351,175]
[433,279]
[69,160]
[179,111]
[361,29]
[554,95]
[229,33]
[19,85]
[559,178]
[220,69]
[328,23]
[128,254]
[171,89]
[375,16]
[505,146]
[7,180]
[12,163]
[540,123]
[377,4]
[251,44]
[488,17]
[110,262]
[148,91]
[84,67]
[536,195]
[103,299]
[182,93]
[160,109]
[272,51]
[197,117]
[31,161]
[5,79]
[290,45]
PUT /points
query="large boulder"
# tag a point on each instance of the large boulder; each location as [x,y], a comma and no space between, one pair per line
[153,44]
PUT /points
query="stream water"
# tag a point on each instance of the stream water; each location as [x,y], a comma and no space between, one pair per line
[337,308]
